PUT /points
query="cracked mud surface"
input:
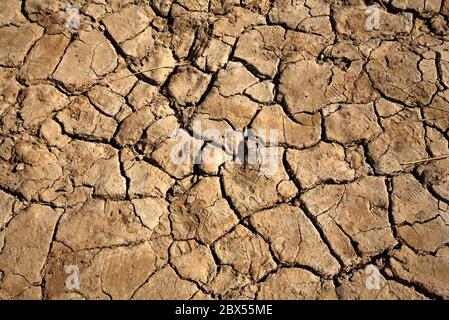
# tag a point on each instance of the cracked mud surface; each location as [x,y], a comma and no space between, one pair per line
[86,178]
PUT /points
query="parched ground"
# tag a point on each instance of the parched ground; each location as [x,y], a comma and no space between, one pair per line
[356,208]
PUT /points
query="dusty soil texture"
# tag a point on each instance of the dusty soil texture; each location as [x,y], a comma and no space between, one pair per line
[92,205]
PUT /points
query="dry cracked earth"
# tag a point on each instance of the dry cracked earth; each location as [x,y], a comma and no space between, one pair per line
[361,191]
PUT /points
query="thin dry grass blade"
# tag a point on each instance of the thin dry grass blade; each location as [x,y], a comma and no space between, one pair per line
[425,160]
[152,69]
